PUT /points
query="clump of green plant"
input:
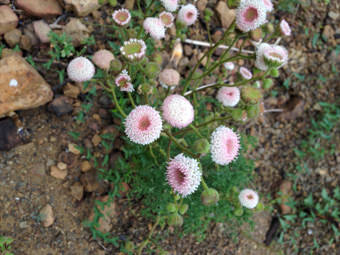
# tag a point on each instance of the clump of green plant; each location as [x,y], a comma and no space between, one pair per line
[320,207]
[5,245]
[184,151]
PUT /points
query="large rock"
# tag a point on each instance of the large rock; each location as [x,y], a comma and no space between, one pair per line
[21,86]
[8,19]
[9,137]
[42,29]
[77,31]
[40,8]
[226,15]
[81,7]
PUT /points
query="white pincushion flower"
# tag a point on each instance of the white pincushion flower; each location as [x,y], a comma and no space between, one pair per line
[133,49]
[245,73]
[188,14]
[270,54]
[248,198]
[228,96]
[121,16]
[250,15]
[229,66]
[80,69]
[154,27]
[169,78]
[170,5]
[123,81]
[166,18]
[178,111]
[225,145]
[285,28]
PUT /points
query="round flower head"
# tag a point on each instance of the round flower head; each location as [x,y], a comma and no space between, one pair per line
[229,96]
[121,16]
[80,69]
[154,27]
[143,125]
[170,5]
[169,78]
[188,14]
[225,145]
[229,66]
[250,15]
[183,175]
[177,111]
[248,198]
[245,73]
[268,5]
[123,82]
[166,18]
[133,49]
[103,58]
[267,54]
[285,28]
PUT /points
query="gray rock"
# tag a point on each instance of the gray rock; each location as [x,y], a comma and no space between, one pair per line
[12,37]
[77,31]
[42,29]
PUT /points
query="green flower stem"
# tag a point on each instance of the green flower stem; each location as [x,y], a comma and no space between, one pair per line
[153,155]
[113,92]
[210,51]
[196,130]
[169,149]
[204,184]
[184,149]
[131,100]
[143,244]
[148,8]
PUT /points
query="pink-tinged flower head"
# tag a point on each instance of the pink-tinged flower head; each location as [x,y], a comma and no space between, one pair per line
[229,66]
[188,14]
[285,28]
[103,58]
[183,175]
[250,15]
[169,78]
[133,49]
[270,55]
[121,16]
[167,19]
[268,5]
[80,69]
[248,198]
[123,81]
[178,111]
[228,96]
[154,27]
[225,145]
[143,125]
[245,73]
[170,5]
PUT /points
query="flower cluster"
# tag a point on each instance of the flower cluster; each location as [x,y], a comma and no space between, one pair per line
[123,81]
[269,55]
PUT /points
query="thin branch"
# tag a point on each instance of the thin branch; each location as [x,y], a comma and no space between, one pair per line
[206,44]
[203,87]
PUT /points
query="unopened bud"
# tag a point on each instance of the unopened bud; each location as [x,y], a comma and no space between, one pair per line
[171,208]
[274,72]
[183,209]
[175,220]
[210,196]
[238,211]
[253,110]
[129,246]
[267,83]
[152,69]
[201,146]
[251,95]
[270,28]
[239,114]
[256,34]
[116,65]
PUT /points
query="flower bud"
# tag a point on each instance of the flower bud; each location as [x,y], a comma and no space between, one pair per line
[267,83]
[238,211]
[256,34]
[210,196]
[183,209]
[113,3]
[270,28]
[251,95]
[116,65]
[175,220]
[152,69]
[201,146]
[253,111]
[157,57]
[145,89]
[171,208]
[239,114]
[132,33]
[274,72]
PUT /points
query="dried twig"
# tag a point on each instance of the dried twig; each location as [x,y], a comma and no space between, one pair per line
[206,44]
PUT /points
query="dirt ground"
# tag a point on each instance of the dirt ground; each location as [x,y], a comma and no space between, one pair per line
[27,186]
